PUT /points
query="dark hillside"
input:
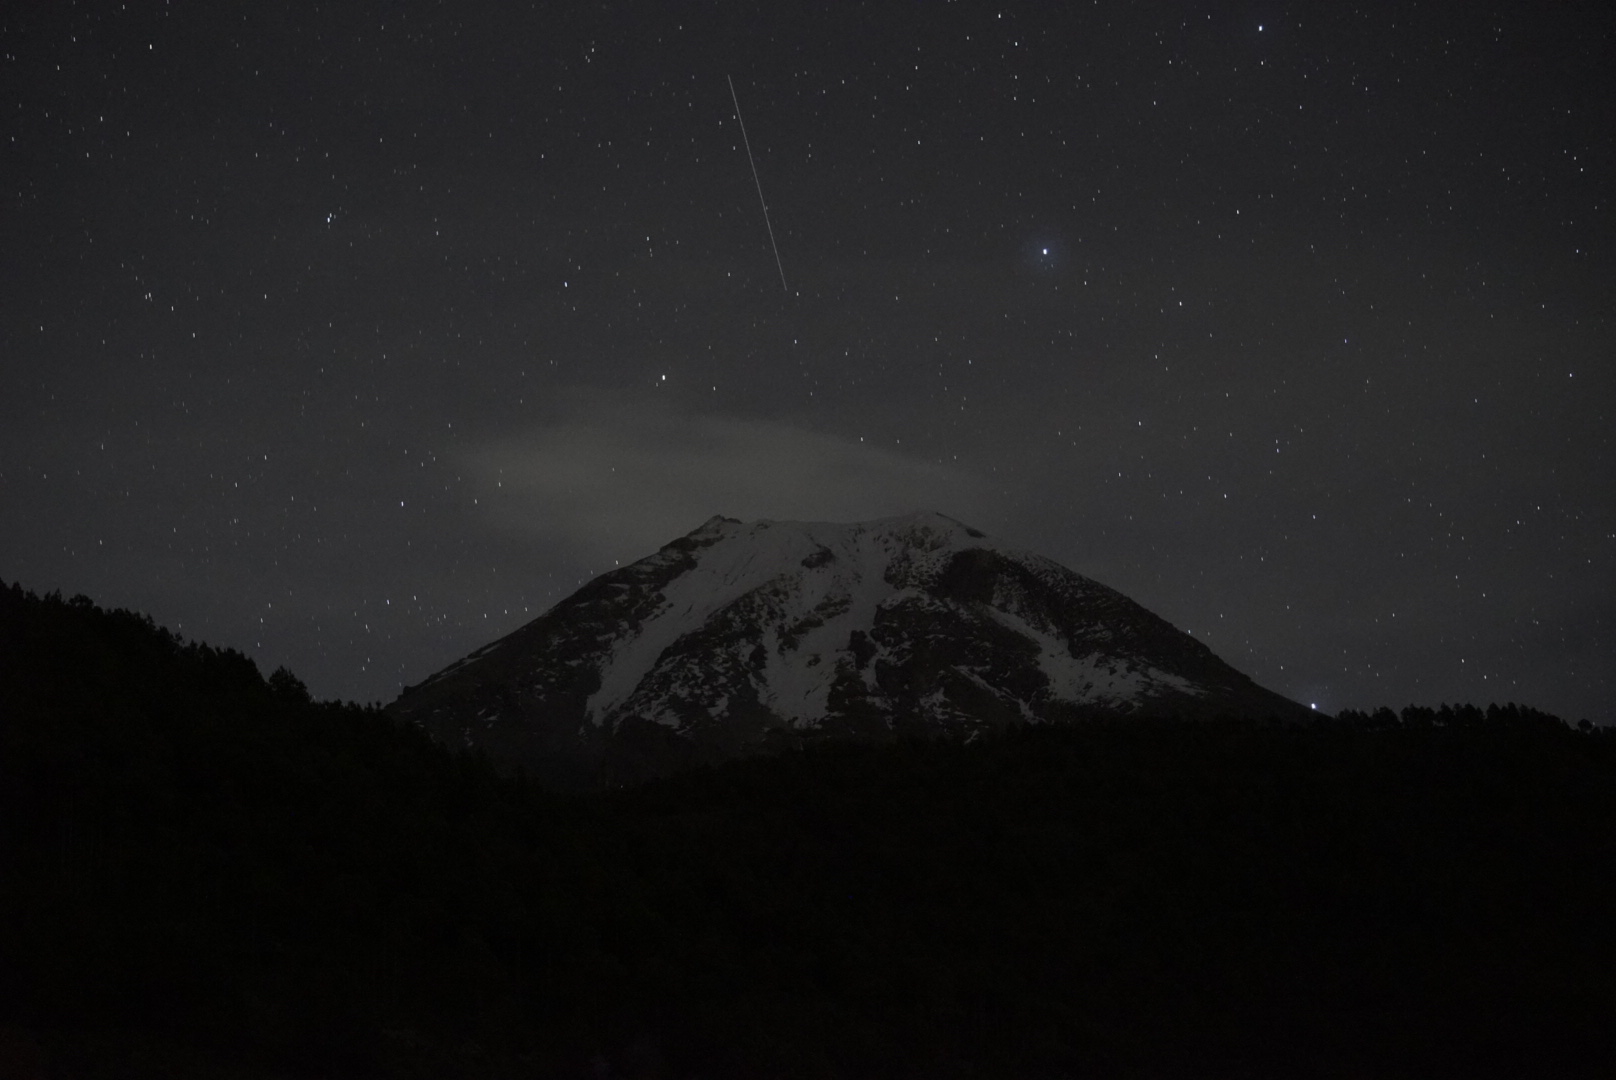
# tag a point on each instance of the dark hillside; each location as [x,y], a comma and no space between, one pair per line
[200,862]
[205,873]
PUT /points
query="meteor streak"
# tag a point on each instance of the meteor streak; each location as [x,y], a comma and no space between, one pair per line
[748,144]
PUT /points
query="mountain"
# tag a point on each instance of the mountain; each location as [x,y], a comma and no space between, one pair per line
[745,637]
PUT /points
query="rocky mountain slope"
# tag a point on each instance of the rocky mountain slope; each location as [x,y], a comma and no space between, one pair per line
[744,637]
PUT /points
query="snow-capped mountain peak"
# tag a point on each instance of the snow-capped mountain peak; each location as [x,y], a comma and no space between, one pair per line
[739,636]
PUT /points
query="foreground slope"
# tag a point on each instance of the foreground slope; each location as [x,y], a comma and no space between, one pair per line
[205,874]
[740,637]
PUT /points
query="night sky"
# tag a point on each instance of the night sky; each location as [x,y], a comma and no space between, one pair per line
[356,335]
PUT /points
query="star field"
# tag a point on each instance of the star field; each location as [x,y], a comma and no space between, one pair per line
[357,338]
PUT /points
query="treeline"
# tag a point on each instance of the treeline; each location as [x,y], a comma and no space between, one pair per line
[206,873]
[1459,717]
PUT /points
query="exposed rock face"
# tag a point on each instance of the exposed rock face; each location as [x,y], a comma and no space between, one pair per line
[743,637]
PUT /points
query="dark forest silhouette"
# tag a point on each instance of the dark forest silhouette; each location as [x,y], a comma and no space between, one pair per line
[205,872]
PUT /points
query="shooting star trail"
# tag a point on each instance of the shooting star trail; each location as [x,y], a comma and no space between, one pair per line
[747,142]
